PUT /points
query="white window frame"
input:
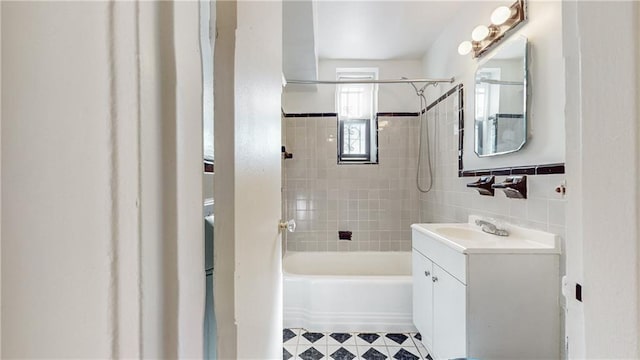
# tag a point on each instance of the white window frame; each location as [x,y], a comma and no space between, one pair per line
[370,155]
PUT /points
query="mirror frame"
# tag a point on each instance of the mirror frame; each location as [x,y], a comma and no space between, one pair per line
[525,95]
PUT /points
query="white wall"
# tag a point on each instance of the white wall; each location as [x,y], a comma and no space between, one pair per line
[299,58]
[89,262]
[574,326]
[391,98]
[207,185]
[224,186]
[125,164]
[57,248]
[189,154]
[207,44]
[546,107]
[248,246]
[258,85]
[602,175]
[172,267]
[158,244]
[0,180]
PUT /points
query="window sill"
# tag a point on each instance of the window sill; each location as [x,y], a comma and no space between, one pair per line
[357,163]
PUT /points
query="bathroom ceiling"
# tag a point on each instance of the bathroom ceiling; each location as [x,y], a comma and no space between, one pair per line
[380,30]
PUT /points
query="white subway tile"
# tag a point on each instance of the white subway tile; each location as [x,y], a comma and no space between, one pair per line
[538,210]
[557,212]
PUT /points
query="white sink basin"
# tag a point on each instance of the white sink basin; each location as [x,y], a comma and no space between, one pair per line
[463,233]
[469,238]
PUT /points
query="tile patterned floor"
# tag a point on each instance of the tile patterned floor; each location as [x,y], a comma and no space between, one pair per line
[300,344]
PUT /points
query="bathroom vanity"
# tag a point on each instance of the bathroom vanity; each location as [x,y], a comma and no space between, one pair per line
[486,296]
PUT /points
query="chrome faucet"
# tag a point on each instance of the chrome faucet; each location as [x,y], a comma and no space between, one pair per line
[491,228]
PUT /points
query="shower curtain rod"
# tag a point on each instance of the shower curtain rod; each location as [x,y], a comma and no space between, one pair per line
[397,81]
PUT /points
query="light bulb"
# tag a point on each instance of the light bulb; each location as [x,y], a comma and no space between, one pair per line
[465,47]
[500,15]
[480,33]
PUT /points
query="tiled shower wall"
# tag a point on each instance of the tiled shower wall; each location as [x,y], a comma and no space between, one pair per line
[378,203]
[451,201]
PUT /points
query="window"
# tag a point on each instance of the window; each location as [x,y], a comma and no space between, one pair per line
[487,93]
[487,108]
[356,106]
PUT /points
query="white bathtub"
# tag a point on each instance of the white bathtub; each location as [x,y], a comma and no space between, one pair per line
[348,291]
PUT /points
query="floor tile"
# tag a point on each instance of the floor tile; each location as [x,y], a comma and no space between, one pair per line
[341,339]
[342,352]
[289,336]
[395,339]
[423,350]
[312,338]
[373,352]
[290,348]
[405,353]
[286,354]
[369,339]
[302,344]
[311,353]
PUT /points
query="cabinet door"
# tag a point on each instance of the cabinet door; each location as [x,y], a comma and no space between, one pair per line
[449,315]
[423,297]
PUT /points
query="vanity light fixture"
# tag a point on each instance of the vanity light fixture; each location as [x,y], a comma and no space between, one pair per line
[465,47]
[503,20]
[500,15]
[480,33]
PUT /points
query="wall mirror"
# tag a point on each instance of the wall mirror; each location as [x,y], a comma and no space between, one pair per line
[501,100]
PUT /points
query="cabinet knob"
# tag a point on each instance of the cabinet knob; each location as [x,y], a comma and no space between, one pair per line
[434,279]
[427,273]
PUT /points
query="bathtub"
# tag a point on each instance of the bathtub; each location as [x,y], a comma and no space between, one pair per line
[348,291]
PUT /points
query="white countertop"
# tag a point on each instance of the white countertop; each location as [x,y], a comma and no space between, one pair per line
[468,238]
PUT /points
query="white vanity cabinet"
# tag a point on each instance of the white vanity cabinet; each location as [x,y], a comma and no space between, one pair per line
[439,298]
[423,297]
[485,303]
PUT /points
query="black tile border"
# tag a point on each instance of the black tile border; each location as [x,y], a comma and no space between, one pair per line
[446,95]
[397,114]
[509,116]
[208,166]
[546,169]
[383,114]
[524,171]
[294,115]
[550,169]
